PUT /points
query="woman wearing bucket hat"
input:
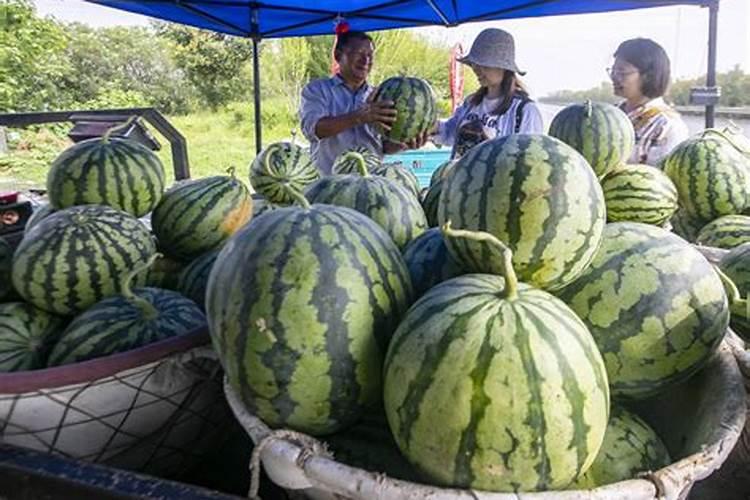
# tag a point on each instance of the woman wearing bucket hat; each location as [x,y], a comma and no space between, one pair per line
[500,107]
[640,75]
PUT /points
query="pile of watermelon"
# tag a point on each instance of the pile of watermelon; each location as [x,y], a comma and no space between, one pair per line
[489,333]
[492,332]
[86,280]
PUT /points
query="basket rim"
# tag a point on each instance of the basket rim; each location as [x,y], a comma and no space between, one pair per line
[97,368]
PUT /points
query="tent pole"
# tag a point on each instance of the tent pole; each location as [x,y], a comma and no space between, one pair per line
[713,18]
[256,96]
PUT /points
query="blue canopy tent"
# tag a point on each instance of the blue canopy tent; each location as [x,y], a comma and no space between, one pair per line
[287,18]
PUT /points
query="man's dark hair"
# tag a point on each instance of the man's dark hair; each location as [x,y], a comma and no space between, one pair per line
[347,38]
[652,63]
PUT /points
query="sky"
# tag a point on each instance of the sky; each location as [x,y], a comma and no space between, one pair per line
[562,52]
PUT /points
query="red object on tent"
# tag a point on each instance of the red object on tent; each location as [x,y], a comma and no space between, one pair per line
[456,75]
[341,27]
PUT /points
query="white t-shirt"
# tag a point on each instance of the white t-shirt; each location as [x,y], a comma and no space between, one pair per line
[471,125]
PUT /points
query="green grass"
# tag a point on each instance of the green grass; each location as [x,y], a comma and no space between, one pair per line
[215,142]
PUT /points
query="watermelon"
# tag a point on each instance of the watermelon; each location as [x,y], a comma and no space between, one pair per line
[655,306]
[431,202]
[602,133]
[684,226]
[260,204]
[394,208]
[369,445]
[163,273]
[40,212]
[712,177]
[736,265]
[301,304]
[348,161]
[120,173]
[198,216]
[534,193]
[192,280]
[26,335]
[77,256]
[630,448]
[124,322]
[401,175]
[415,104]
[441,171]
[278,167]
[6,266]
[495,385]
[429,261]
[725,232]
[639,193]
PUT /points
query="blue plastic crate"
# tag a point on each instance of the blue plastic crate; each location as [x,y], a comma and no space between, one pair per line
[422,162]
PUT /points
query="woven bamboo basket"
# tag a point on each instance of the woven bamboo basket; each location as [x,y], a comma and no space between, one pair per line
[157,409]
[700,421]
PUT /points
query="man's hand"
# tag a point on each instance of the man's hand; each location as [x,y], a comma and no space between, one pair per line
[390,147]
[381,112]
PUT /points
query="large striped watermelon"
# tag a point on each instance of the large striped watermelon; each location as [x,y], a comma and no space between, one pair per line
[281,165]
[26,335]
[639,193]
[403,176]
[415,104]
[431,202]
[736,265]
[394,208]
[6,265]
[78,256]
[429,261]
[301,303]
[725,232]
[602,133]
[630,448]
[712,177]
[495,385]
[124,322]
[684,226]
[197,216]
[654,304]
[534,193]
[441,171]
[348,162]
[40,212]
[120,173]
[193,279]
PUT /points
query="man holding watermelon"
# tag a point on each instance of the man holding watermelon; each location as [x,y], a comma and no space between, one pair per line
[338,114]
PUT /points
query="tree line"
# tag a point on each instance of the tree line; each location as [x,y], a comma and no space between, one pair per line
[735,91]
[46,64]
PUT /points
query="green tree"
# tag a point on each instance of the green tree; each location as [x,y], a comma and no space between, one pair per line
[217,65]
[32,59]
[114,66]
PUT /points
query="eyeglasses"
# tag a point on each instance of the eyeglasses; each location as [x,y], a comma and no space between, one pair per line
[619,75]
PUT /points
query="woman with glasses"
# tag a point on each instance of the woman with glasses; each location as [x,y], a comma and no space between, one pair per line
[500,107]
[640,75]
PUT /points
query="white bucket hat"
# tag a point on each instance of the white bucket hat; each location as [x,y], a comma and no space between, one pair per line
[493,48]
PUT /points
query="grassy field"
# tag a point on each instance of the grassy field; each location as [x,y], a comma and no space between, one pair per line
[215,141]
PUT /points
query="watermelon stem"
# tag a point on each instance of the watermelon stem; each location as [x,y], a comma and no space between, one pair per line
[146,307]
[361,163]
[733,293]
[296,195]
[724,136]
[232,171]
[511,281]
[588,108]
[117,128]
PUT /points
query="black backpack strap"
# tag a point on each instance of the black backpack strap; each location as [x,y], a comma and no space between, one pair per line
[519,113]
